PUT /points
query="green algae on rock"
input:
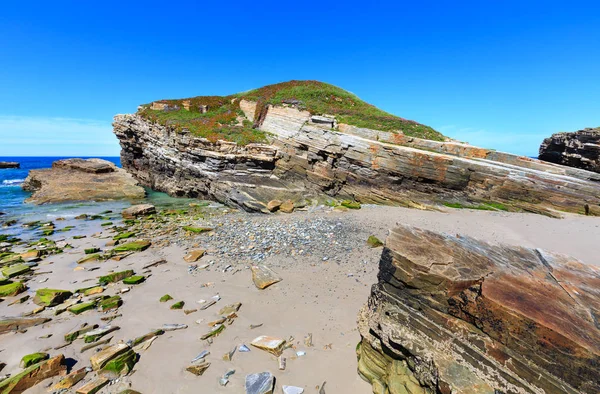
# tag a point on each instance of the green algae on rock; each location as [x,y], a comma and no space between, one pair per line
[134,280]
[136,246]
[197,230]
[115,277]
[80,308]
[350,204]
[34,375]
[374,242]
[34,358]
[111,303]
[12,289]
[178,305]
[15,270]
[165,298]
[124,235]
[51,297]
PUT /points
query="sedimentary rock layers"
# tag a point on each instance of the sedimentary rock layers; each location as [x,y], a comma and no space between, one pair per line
[580,149]
[455,315]
[307,157]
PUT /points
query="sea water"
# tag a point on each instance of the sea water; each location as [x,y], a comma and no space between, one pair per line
[14,206]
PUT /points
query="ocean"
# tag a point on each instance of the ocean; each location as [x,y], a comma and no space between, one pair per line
[14,207]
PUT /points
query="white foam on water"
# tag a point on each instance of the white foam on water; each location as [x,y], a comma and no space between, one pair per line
[12,182]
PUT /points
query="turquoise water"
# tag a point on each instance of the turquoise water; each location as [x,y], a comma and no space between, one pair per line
[14,207]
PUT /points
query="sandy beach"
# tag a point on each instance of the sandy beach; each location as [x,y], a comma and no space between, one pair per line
[326,280]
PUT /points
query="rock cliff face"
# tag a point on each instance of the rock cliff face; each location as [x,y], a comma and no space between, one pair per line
[451,314]
[81,180]
[310,156]
[580,149]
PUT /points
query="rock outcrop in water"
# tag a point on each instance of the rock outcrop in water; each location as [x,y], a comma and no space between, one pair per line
[9,164]
[308,155]
[451,314]
[580,149]
[81,180]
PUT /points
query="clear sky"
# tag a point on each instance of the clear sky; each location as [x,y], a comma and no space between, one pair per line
[501,74]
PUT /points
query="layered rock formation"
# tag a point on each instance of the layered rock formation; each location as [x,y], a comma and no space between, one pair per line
[81,180]
[451,314]
[580,149]
[312,155]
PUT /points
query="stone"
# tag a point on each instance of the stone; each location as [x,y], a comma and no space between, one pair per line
[226,310]
[137,246]
[81,180]
[73,335]
[93,386]
[263,276]
[272,345]
[197,230]
[274,205]
[146,337]
[165,298]
[51,297]
[32,359]
[110,303]
[34,375]
[178,305]
[194,255]
[114,277]
[9,164]
[15,270]
[124,235]
[215,331]
[121,364]
[94,335]
[260,383]
[83,307]
[292,390]
[134,280]
[287,206]
[100,359]
[70,380]
[198,369]
[138,210]
[12,289]
[451,313]
[580,149]
[8,324]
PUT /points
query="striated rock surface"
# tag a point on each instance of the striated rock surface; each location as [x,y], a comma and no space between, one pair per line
[310,157]
[580,149]
[81,180]
[451,314]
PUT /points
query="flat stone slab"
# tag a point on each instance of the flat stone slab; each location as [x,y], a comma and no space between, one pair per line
[260,383]
[270,344]
[138,210]
[263,276]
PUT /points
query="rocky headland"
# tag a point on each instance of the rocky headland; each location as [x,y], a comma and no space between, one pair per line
[304,140]
[580,149]
[73,180]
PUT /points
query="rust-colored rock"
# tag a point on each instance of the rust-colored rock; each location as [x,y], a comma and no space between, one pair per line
[34,375]
[453,314]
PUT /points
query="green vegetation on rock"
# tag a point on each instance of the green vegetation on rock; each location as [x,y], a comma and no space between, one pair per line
[124,235]
[221,119]
[111,303]
[33,358]
[165,298]
[178,305]
[374,242]
[15,270]
[197,230]
[51,297]
[485,206]
[134,280]
[350,204]
[12,289]
[115,277]
[91,250]
[120,365]
[136,246]
[80,308]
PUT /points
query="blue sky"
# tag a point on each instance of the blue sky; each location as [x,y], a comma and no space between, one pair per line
[499,74]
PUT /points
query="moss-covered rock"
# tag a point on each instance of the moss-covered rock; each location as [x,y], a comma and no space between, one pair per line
[33,358]
[111,303]
[12,289]
[136,246]
[120,365]
[33,375]
[115,277]
[374,242]
[105,224]
[134,280]
[350,204]
[197,230]
[165,298]
[91,250]
[124,235]
[91,257]
[15,270]
[51,297]
[178,305]
[73,335]
[80,308]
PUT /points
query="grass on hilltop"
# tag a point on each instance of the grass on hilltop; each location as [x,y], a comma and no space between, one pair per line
[220,122]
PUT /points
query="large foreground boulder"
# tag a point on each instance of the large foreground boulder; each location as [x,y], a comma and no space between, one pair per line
[81,180]
[451,314]
[580,149]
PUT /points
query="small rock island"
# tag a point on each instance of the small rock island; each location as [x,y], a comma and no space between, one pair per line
[9,164]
